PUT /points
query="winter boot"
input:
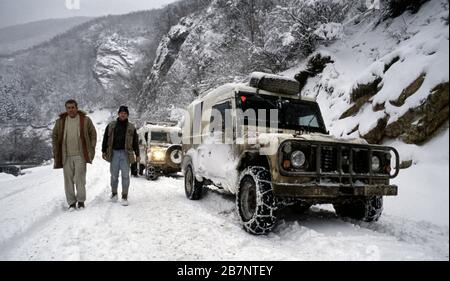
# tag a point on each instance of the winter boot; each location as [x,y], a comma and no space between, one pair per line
[81,206]
[124,201]
[114,197]
[72,207]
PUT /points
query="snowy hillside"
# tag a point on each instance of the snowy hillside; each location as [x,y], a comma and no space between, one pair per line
[72,65]
[387,79]
[161,224]
[101,63]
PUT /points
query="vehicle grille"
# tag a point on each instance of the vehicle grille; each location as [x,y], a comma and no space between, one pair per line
[344,164]
[361,162]
[328,159]
[335,160]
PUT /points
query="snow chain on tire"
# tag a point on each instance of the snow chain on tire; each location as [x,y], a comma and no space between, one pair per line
[264,217]
[368,209]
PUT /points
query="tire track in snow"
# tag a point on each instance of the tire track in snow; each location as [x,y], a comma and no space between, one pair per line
[412,232]
[58,212]
[431,238]
[27,187]
[108,231]
[43,221]
[13,193]
[18,238]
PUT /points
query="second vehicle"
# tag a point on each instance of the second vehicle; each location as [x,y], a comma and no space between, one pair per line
[161,149]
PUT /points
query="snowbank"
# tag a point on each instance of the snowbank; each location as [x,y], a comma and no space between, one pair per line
[424,187]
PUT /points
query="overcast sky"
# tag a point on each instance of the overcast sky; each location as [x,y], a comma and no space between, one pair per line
[14,12]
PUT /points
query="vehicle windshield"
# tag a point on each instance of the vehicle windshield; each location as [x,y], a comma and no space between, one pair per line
[293,114]
[162,137]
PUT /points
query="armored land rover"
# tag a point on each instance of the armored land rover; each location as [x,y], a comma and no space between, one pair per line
[160,145]
[289,159]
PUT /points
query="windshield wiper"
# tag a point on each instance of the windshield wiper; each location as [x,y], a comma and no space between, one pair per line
[310,121]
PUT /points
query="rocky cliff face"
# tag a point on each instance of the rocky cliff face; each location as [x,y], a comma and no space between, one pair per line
[387,79]
[167,54]
[204,50]
[116,57]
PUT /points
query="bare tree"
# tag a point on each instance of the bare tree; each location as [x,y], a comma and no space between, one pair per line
[252,14]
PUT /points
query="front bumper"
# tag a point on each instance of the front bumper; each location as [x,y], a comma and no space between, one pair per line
[163,168]
[312,190]
[335,170]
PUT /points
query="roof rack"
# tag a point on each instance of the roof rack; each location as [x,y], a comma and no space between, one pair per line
[163,124]
[274,83]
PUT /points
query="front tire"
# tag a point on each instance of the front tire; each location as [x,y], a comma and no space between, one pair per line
[151,174]
[255,201]
[367,209]
[192,187]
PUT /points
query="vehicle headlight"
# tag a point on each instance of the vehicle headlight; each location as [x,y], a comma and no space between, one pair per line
[298,159]
[376,164]
[157,154]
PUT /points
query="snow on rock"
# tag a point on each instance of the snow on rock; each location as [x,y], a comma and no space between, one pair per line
[403,72]
[287,39]
[329,31]
[168,49]
[115,56]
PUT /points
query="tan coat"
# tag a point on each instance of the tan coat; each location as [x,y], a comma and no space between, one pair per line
[88,139]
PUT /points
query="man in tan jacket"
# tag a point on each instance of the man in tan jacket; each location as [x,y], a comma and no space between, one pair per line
[74,139]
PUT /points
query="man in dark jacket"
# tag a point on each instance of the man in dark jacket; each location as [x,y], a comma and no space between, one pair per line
[121,148]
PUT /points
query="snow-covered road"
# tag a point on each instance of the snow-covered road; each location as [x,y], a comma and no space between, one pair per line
[161,224]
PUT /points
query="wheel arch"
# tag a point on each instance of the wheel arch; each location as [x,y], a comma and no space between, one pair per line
[187,159]
[252,158]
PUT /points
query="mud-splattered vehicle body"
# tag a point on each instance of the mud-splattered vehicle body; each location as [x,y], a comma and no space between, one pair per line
[292,161]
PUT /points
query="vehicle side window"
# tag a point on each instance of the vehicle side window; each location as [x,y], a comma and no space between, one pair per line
[224,109]
[196,129]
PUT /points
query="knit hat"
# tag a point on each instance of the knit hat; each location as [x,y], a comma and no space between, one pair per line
[124,109]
